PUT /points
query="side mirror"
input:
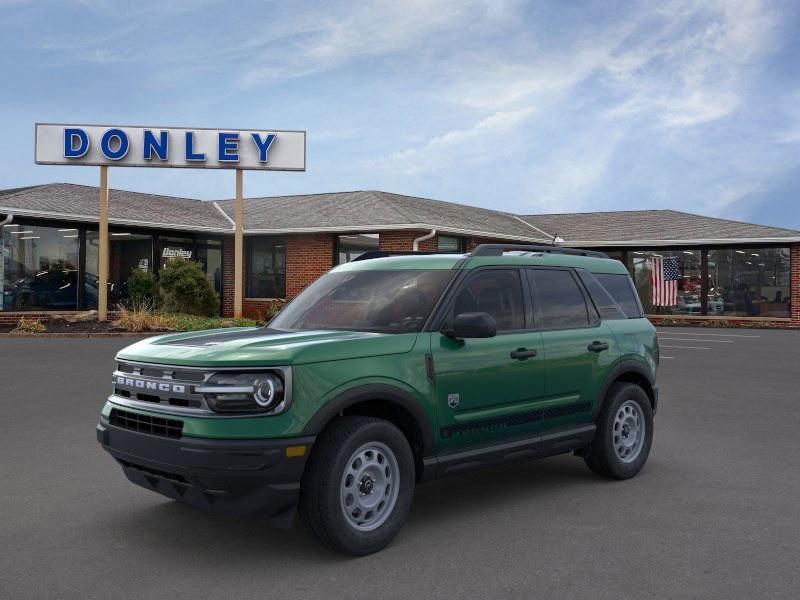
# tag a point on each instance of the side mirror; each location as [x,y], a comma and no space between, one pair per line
[472,325]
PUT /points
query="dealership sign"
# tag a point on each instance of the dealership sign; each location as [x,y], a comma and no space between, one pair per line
[192,148]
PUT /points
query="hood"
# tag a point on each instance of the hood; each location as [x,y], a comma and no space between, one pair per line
[258,346]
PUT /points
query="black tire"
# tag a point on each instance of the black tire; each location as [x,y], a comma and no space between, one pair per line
[320,506]
[603,458]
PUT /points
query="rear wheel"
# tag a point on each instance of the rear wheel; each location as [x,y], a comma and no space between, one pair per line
[624,433]
[358,486]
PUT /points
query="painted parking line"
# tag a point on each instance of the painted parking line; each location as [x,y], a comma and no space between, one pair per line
[736,335]
[672,339]
[687,347]
[670,357]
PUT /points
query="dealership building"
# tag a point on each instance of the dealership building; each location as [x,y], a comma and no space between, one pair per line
[727,270]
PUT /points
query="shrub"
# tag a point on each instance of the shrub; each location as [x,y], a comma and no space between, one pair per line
[26,325]
[186,290]
[143,289]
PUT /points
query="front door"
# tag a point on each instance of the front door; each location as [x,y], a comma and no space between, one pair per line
[486,387]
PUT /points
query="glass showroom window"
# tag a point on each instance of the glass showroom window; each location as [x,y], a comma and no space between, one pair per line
[266,267]
[39,268]
[450,245]
[353,246]
[680,295]
[127,252]
[209,255]
[748,282]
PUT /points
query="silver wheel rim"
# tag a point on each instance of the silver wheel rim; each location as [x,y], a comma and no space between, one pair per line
[369,487]
[629,431]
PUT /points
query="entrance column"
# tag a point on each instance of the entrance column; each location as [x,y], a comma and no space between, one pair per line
[238,251]
[102,255]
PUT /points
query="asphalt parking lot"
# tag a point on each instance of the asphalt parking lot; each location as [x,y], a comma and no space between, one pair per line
[714,514]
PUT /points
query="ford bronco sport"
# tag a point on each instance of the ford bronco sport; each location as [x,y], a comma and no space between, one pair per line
[386,372]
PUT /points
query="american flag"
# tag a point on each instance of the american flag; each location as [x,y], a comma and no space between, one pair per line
[665,280]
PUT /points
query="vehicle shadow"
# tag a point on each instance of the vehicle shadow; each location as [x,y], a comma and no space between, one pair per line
[208,539]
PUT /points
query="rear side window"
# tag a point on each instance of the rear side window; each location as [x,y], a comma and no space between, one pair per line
[605,304]
[497,292]
[560,300]
[621,289]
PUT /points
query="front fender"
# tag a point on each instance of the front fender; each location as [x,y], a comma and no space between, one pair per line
[375,391]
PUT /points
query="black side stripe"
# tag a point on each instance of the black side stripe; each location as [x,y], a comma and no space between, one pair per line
[515,420]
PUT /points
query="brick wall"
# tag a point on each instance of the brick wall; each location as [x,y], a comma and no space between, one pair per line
[404,240]
[228,266]
[794,284]
[308,256]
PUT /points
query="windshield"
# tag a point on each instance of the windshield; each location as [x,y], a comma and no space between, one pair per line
[396,301]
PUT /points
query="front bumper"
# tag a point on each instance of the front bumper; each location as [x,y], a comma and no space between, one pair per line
[238,477]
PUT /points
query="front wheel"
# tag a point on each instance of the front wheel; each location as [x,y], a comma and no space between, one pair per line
[358,486]
[624,433]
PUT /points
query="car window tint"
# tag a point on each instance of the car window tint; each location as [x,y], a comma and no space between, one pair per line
[561,301]
[497,292]
[605,304]
[621,289]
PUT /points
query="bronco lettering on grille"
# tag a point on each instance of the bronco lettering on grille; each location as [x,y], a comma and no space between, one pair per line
[144,384]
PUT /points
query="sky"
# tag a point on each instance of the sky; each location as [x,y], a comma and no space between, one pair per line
[528,107]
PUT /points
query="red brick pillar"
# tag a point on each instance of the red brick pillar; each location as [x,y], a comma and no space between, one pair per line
[308,256]
[227,277]
[794,283]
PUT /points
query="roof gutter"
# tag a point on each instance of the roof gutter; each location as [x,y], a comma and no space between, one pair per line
[422,238]
[7,220]
[686,242]
[127,222]
[224,214]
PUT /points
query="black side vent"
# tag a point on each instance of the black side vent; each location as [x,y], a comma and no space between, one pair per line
[171,428]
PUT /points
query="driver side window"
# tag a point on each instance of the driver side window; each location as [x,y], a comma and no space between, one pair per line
[497,292]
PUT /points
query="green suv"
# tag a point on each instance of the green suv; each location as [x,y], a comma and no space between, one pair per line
[386,372]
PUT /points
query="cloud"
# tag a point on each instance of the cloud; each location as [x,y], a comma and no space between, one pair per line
[465,146]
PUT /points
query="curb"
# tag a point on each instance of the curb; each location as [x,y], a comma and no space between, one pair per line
[80,335]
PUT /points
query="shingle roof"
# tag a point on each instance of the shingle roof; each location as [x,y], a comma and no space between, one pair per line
[633,226]
[374,210]
[72,202]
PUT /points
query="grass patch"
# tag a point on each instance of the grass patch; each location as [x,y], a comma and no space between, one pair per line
[142,319]
[26,325]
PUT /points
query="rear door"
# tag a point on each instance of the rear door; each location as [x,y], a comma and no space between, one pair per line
[486,387]
[579,348]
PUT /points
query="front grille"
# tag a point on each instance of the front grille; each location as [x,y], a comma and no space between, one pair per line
[162,372]
[170,428]
[161,385]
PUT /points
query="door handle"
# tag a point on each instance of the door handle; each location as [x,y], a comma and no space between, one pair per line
[597,346]
[522,353]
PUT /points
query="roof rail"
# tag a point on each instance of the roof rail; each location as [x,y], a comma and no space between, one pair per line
[499,249]
[384,253]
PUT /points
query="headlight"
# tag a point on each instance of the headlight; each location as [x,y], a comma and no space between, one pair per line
[243,392]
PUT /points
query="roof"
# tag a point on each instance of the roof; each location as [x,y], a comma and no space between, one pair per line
[80,203]
[374,210]
[665,227]
[371,211]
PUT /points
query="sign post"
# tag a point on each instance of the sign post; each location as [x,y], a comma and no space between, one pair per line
[175,147]
[238,243]
[102,255]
